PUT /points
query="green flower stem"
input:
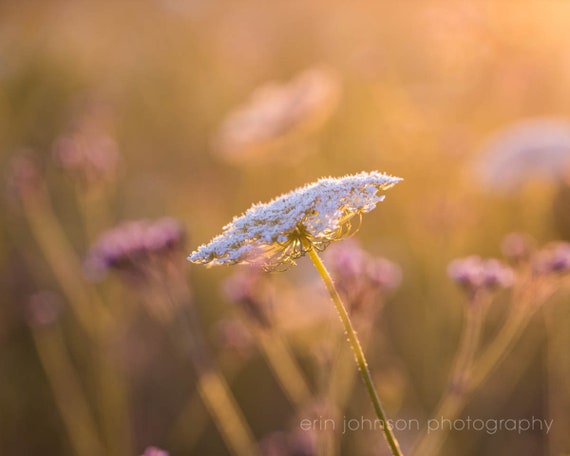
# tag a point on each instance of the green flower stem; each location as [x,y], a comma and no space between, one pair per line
[94,207]
[90,312]
[69,396]
[285,367]
[113,395]
[193,419]
[220,402]
[340,386]
[499,348]
[65,264]
[212,386]
[453,404]
[358,352]
[468,345]
[456,392]
[526,300]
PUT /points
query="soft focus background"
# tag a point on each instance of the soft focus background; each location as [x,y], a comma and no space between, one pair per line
[469,102]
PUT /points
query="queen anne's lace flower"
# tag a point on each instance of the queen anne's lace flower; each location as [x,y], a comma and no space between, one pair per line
[276,233]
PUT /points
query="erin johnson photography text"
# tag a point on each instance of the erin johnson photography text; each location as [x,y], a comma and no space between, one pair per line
[490,426]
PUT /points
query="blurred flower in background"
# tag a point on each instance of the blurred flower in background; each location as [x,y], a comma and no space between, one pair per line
[475,274]
[357,274]
[530,149]
[554,259]
[88,153]
[275,114]
[139,249]
[154,451]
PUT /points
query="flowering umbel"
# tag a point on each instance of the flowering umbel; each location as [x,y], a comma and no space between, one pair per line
[274,234]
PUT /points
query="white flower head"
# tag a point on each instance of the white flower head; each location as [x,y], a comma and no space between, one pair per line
[274,234]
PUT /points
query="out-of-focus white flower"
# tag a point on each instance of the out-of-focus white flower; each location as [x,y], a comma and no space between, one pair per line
[276,112]
[274,234]
[533,148]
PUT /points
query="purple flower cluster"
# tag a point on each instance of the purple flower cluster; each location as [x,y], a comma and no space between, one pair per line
[553,260]
[357,273]
[474,274]
[134,246]
[349,264]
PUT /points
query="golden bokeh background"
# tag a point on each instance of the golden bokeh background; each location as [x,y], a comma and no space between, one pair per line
[419,90]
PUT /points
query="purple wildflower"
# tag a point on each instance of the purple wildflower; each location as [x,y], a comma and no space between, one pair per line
[357,273]
[475,274]
[553,260]
[135,246]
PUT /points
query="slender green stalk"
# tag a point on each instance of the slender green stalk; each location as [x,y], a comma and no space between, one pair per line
[69,397]
[93,205]
[358,352]
[212,386]
[526,300]
[113,393]
[220,402]
[455,394]
[340,385]
[499,348]
[557,321]
[285,368]
[91,314]
[468,345]
[64,263]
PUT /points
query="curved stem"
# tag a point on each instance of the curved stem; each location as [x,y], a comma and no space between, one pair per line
[285,368]
[212,386]
[468,345]
[499,347]
[340,386]
[455,396]
[91,313]
[65,264]
[69,396]
[358,353]
[525,303]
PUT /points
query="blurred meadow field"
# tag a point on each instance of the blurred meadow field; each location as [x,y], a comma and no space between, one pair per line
[131,132]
